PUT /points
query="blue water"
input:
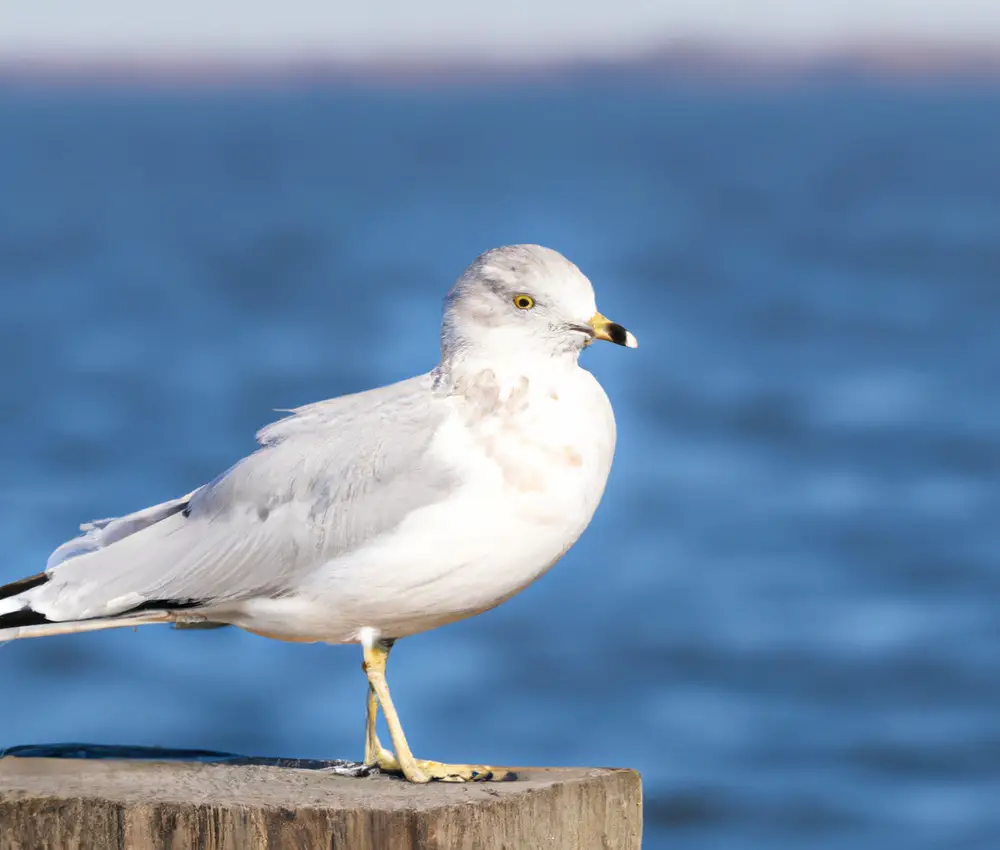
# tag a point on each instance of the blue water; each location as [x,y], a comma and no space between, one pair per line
[785,613]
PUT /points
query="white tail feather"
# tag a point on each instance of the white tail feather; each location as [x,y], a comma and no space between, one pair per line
[75,626]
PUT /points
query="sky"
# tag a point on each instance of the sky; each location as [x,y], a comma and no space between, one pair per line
[514,30]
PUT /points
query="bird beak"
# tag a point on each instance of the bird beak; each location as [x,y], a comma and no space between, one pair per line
[604,328]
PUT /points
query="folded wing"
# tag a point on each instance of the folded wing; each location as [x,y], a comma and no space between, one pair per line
[326,480]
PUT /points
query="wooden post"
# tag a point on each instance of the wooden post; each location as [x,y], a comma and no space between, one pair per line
[79,804]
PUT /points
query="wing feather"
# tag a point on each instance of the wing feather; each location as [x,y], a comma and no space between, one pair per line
[326,480]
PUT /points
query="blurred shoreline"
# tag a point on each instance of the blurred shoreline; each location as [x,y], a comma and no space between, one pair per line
[698,63]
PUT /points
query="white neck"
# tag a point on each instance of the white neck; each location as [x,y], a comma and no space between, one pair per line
[509,367]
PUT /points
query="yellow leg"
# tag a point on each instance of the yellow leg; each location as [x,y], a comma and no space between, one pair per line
[375,753]
[415,770]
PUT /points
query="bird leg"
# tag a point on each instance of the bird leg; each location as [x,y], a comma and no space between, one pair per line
[375,753]
[415,770]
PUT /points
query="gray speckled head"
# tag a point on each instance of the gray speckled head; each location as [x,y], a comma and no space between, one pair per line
[519,299]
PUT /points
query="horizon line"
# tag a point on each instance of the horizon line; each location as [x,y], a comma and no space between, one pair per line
[702,60]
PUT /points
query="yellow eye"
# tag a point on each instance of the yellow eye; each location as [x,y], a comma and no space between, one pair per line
[524,302]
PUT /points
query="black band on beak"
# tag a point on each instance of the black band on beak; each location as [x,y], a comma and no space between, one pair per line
[617,334]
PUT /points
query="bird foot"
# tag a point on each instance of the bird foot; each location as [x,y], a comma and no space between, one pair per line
[427,771]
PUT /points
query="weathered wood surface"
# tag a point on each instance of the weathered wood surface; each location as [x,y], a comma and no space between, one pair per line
[73,804]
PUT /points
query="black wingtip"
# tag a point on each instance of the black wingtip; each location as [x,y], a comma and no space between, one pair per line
[23,584]
[24,617]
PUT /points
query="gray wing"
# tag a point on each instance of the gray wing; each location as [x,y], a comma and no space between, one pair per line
[326,479]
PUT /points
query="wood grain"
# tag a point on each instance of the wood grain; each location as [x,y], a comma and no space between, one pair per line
[79,804]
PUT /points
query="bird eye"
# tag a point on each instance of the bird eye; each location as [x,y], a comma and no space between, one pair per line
[524,302]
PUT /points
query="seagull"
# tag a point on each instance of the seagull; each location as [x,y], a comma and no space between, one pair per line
[370,517]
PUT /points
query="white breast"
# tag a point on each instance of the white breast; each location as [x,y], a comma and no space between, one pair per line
[535,461]
[550,441]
